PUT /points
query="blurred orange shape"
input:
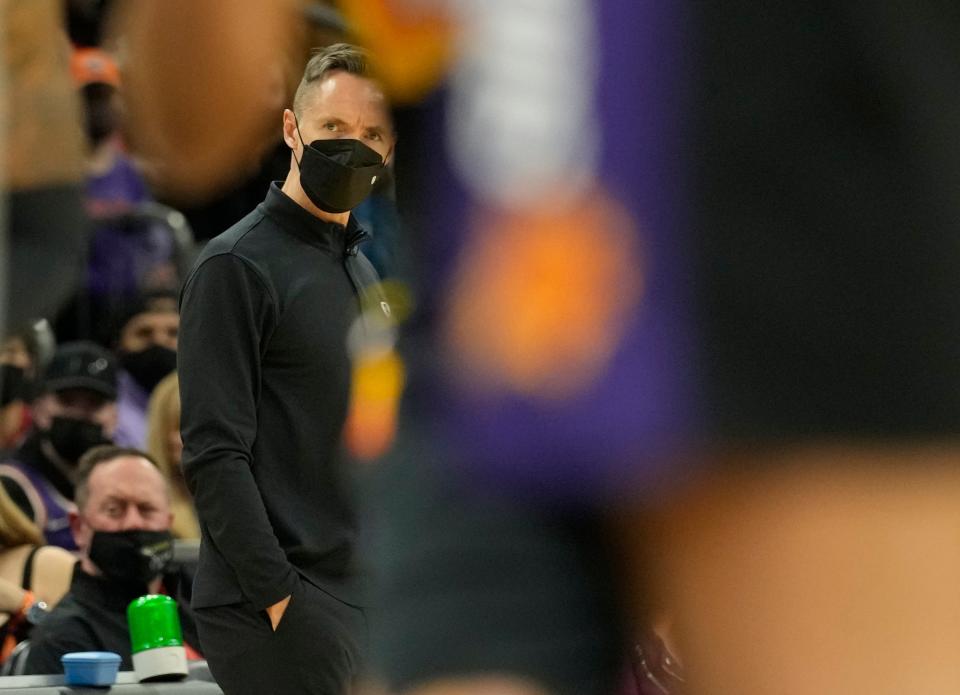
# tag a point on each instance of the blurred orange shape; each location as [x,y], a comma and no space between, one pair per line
[542,296]
[378,380]
[411,43]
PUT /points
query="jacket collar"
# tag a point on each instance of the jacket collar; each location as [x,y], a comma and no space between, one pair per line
[294,219]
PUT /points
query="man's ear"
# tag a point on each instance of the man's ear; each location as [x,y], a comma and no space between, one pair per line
[290,130]
[40,411]
[76,526]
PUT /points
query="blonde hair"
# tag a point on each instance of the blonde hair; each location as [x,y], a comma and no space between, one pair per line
[163,416]
[15,527]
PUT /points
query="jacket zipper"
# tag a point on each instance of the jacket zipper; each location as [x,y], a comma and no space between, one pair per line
[353,242]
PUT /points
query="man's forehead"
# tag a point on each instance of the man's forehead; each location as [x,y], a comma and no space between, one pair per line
[128,477]
[340,89]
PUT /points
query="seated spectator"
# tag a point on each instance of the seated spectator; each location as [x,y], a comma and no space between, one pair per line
[147,349]
[166,447]
[17,373]
[75,411]
[122,527]
[33,577]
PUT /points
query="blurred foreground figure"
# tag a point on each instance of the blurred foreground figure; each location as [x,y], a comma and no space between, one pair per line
[205,79]
[804,541]
[42,222]
[550,359]
[821,557]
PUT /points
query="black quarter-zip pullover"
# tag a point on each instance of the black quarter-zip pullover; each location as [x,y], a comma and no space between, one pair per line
[264,381]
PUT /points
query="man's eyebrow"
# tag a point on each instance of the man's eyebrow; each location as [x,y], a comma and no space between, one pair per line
[378,129]
[331,119]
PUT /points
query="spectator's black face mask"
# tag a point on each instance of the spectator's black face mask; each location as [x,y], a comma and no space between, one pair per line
[337,175]
[131,557]
[12,384]
[102,119]
[149,366]
[71,438]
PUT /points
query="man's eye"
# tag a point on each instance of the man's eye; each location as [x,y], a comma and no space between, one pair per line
[330,126]
[376,137]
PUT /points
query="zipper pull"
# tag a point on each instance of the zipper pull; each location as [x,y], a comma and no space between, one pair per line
[353,243]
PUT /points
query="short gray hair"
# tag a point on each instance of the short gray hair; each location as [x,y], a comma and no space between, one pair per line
[105,453]
[338,56]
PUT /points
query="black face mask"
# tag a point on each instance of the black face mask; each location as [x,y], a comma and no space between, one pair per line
[12,384]
[72,438]
[102,119]
[132,557]
[149,366]
[337,175]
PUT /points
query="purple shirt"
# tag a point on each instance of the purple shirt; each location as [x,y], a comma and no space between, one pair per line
[132,402]
[642,407]
[122,254]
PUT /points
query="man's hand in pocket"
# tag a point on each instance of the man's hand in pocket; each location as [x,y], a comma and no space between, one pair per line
[276,612]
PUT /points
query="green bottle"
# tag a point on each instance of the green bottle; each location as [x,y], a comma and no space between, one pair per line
[156,639]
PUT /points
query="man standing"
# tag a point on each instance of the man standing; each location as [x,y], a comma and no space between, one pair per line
[265,378]
[122,528]
[76,411]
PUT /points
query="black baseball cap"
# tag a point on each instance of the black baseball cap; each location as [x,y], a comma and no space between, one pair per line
[82,365]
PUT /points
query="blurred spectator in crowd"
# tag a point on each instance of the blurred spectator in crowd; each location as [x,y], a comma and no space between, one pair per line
[122,259]
[147,351]
[33,577]
[23,356]
[122,528]
[75,411]
[17,375]
[127,253]
[166,447]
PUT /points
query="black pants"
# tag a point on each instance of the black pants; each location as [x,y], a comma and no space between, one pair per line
[316,649]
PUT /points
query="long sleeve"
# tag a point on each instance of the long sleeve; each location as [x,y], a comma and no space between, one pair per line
[50,642]
[227,313]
